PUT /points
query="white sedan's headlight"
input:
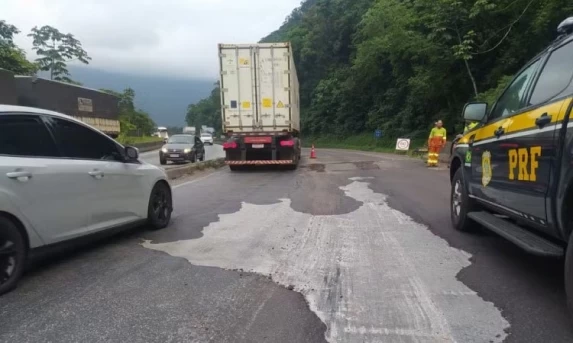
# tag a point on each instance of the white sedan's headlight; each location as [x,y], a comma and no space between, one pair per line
[187,150]
[164,150]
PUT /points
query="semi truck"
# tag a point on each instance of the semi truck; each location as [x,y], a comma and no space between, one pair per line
[93,107]
[259,105]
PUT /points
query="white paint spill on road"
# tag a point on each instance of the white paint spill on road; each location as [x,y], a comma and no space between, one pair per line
[372,275]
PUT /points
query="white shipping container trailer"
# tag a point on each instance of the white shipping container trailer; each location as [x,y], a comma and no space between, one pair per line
[259,104]
[190,130]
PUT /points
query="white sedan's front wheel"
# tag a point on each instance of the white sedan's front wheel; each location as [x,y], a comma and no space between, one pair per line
[12,255]
[160,206]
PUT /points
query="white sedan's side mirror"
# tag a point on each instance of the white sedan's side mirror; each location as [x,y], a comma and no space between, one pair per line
[132,153]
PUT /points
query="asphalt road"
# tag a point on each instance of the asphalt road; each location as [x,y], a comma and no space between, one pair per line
[211,152]
[352,247]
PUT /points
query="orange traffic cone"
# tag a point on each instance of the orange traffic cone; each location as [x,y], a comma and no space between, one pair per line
[312,152]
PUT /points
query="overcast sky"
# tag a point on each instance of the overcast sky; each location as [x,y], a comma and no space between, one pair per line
[177,38]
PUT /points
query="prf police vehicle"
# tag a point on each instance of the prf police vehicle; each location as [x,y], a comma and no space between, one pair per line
[513,173]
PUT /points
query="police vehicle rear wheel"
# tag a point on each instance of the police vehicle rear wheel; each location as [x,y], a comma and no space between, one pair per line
[461,204]
[569,276]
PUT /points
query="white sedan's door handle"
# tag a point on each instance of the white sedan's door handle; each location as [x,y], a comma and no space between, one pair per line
[98,174]
[20,175]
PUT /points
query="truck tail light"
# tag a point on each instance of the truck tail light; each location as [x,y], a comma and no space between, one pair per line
[230,145]
[288,143]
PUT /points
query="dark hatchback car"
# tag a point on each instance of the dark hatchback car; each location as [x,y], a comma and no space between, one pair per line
[182,148]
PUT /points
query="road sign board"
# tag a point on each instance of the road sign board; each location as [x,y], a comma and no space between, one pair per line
[403,144]
[377,133]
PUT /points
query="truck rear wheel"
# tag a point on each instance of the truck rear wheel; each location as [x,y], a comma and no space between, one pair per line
[236,168]
[295,163]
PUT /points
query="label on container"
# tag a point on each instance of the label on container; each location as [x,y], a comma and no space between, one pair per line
[85,105]
[243,62]
[267,102]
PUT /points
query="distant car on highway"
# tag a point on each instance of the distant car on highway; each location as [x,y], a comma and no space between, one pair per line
[207,138]
[63,182]
[182,148]
[162,133]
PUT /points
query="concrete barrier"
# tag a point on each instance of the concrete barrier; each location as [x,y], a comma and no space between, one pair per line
[149,146]
[175,173]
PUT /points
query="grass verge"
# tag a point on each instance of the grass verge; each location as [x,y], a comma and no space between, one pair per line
[138,140]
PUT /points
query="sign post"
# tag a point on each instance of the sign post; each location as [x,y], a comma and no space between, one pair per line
[403,144]
[378,134]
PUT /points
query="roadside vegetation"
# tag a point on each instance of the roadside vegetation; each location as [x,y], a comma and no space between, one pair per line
[206,112]
[365,142]
[134,122]
[399,65]
[138,140]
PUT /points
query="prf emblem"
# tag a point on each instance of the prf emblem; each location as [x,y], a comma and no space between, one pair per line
[486,168]
[523,163]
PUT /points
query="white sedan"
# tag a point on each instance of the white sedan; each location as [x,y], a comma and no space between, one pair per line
[207,138]
[62,181]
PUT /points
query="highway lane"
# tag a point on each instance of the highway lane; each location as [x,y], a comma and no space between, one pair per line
[211,152]
[352,247]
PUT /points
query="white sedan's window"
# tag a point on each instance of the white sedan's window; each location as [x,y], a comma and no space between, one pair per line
[23,135]
[80,142]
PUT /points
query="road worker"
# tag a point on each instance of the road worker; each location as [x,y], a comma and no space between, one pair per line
[470,125]
[436,142]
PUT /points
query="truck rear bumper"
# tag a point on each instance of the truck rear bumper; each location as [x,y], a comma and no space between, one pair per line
[263,150]
[259,162]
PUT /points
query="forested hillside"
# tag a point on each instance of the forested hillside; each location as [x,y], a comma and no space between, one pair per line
[398,65]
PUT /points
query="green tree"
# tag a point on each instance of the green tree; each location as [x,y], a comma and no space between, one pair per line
[133,121]
[56,49]
[13,58]
[398,65]
[207,111]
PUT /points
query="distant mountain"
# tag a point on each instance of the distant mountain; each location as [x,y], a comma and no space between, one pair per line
[165,99]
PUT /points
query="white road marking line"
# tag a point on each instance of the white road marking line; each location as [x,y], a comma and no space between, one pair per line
[372,275]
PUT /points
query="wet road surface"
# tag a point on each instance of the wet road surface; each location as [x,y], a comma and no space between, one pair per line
[352,247]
